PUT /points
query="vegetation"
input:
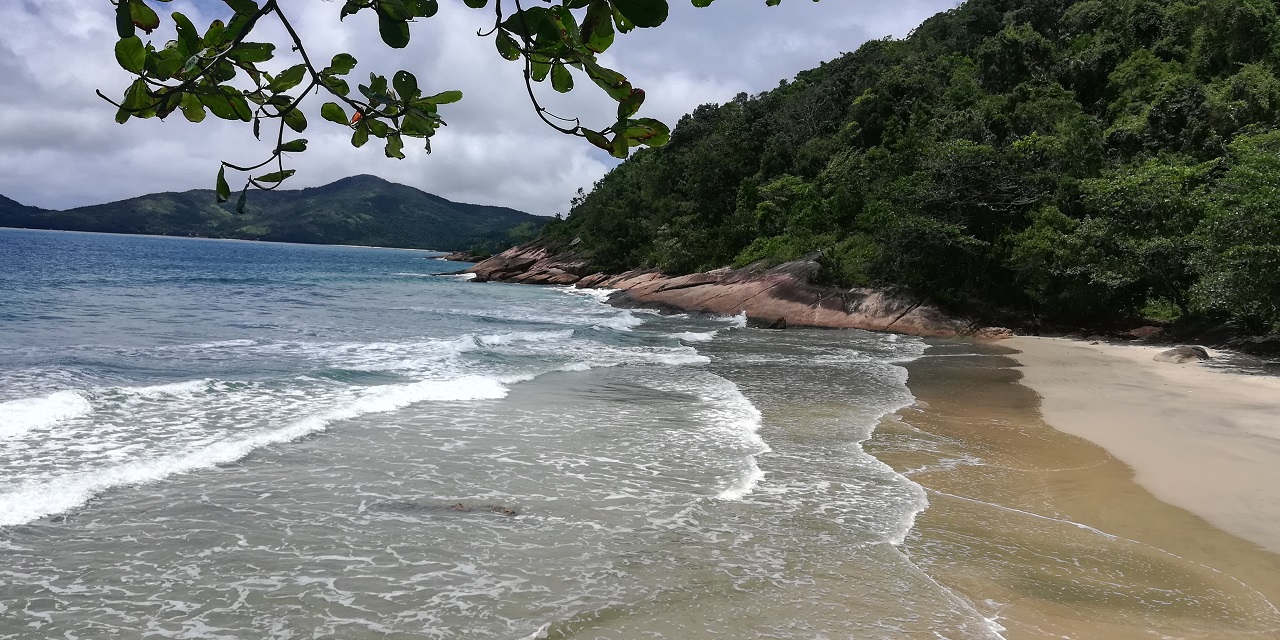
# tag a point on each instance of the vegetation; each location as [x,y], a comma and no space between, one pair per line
[1086,161]
[363,210]
[219,70]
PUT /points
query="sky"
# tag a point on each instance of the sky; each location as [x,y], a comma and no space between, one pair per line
[60,146]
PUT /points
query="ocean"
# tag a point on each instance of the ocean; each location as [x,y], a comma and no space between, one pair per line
[223,439]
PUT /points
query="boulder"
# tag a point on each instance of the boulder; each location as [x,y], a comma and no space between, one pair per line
[1143,333]
[1183,355]
[766,323]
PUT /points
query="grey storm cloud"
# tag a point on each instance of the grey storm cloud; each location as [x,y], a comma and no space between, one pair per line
[60,147]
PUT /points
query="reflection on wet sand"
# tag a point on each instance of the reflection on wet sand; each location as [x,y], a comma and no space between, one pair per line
[1048,533]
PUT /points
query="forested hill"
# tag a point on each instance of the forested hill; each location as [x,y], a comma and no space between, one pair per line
[1076,161]
[362,210]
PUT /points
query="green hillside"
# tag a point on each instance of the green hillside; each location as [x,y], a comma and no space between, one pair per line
[1072,161]
[362,210]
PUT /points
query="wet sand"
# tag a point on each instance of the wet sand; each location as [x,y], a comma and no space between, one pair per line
[1049,533]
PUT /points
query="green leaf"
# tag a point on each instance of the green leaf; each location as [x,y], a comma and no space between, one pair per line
[631,104]
[243,7]
[444,97]
[405,84]
[596,138]
[191,108]
[394,32]
[643,13]
[597,27]
[143,16]
[244,196]
[131,54]
[288,79]
[296,120]
[223,189]
[293,146]
[252,52]
[333,113]
[508,48]
[423,8]
[341,65]
[137,98]
[394,146]
[124,21]
[188,38]
[476,4]
[360,135]
[276,176]
[561,78]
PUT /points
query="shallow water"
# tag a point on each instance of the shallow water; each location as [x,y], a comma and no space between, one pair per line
[221,439]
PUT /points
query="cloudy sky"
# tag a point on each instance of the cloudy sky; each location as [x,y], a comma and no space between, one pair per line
[60,147]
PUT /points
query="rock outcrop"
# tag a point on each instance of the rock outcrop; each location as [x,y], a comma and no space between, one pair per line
[776,298]
[1183,355]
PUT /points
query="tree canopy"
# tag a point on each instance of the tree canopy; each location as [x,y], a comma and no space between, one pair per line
[1081,161]
[221,70]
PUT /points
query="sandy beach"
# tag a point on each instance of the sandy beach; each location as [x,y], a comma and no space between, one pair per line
[1203,439]
[1053,480]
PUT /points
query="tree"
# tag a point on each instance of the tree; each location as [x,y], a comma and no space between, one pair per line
[221,71]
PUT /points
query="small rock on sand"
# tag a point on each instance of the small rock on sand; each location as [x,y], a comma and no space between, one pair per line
[1183,355]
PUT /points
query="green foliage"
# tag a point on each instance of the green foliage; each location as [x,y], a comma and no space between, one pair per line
[1085,160]
[221,71]
[363,210]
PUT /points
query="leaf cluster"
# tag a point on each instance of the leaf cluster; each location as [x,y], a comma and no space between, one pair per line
[221,71]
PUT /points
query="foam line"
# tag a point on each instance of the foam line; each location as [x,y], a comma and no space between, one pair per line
[37,499]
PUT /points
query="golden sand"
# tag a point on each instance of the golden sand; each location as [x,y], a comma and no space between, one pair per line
[1048,532]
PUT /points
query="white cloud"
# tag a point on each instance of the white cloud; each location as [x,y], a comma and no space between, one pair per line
[59,145]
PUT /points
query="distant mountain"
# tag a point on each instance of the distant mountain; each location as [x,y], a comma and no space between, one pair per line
[362,210]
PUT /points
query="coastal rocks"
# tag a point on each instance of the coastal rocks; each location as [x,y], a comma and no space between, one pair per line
[461,256]
[778,297]
[1183,355]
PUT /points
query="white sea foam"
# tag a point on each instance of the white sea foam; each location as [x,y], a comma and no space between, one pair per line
[733,423]
[20,416]
[524,336]
[172,389]
[692,336]
[38,498]
[599,294]
[624,321]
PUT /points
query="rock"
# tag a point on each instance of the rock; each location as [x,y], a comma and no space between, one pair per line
[766,323]
[777,297]
[1183,355]
[462,256]
[993,333]
[592,281]
[1144,333]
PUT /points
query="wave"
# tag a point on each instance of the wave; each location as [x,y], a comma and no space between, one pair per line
[502,339]
[171,389]
[32,500]
[20,416]
[735,414]
[692,336]
[624,321]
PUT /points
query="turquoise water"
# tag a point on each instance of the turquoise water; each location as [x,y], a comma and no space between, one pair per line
[219,439]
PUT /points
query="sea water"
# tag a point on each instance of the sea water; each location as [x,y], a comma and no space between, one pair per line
[221,439]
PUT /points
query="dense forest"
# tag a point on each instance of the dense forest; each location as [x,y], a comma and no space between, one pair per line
[361,210]
[1051,160]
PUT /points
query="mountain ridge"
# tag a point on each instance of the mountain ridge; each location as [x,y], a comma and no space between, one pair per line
[361,209]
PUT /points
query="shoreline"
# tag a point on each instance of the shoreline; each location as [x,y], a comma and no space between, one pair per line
[1047,533]
[1202,439]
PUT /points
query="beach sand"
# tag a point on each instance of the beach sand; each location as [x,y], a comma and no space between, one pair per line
[1203,439]
[1054,536]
